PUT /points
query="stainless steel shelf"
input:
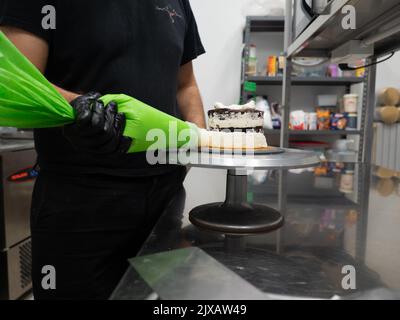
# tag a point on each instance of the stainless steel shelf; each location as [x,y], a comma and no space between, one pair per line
[326,34]
[306,81]
[300,202]
[266,24]
[7,145]
[341,156]
[315,132]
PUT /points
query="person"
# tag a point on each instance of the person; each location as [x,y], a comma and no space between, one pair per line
[93,204]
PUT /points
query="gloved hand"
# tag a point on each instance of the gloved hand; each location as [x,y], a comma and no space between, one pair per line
[98,129]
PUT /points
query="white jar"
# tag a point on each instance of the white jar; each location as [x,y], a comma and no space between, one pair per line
[312,121]
[350,102]
[347,182]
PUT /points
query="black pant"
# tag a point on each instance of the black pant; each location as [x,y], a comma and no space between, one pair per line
[86,227]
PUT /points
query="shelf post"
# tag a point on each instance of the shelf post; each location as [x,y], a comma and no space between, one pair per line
[286,95]
[367,117]
[287,77]
[245,56]
[288,24]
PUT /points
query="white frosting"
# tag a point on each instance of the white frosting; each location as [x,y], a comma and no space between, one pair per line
[245,119]
[229,140]
[250,105]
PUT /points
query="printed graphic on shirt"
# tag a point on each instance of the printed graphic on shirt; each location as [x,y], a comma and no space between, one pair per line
[171,12]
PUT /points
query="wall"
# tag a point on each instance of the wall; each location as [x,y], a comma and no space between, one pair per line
[388,73]
[221,25]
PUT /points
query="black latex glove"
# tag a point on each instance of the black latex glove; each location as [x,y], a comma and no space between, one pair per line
[98,129]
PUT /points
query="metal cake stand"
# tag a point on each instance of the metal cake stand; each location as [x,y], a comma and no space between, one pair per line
[236,216]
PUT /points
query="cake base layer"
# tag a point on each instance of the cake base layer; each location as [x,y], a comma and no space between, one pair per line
[232,140]
[244,151]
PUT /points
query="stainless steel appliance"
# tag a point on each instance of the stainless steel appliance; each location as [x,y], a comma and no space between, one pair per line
[17,175]
[15,134]
[305,11]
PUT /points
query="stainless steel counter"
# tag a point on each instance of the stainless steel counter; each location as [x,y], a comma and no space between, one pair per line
[326,232]
[9,145]
[17,158]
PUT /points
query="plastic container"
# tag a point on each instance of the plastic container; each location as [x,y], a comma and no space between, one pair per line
[298,120]
[272,65]
[347,182]
[342,145]
[350,102]
[309,67]
[312,121]
[339,121]
[350,168]
[323,118]
[281,64]
[333,71]
[352,121]
[251,69]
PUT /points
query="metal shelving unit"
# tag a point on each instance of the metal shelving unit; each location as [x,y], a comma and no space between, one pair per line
[378,24]
[339,202]
[264,24]
[306,81]
[257,24]
[277,24]
[315,132]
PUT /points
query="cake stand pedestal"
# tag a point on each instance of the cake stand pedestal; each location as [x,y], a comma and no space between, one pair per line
[236,216]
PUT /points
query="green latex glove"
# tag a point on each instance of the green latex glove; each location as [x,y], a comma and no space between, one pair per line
[28,100]
[145,123]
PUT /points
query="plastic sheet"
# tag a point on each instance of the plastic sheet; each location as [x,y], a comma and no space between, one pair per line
[191,274]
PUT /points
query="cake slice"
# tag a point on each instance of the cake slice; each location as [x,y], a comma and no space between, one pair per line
[234,127]
[236,118]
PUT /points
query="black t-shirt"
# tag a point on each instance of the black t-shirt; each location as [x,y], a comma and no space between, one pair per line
[135,47]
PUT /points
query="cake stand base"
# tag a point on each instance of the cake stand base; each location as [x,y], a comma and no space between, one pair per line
[236,220]
[236,216]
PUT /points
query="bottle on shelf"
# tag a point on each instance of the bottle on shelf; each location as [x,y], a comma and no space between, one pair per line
[251,63]
[281,64]
[272,66]
[332,71]
[276,115]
